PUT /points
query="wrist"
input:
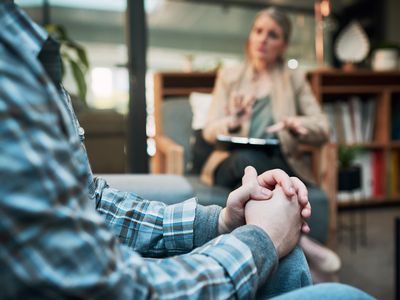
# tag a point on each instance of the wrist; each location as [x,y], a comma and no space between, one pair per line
[222,227]
[272,234]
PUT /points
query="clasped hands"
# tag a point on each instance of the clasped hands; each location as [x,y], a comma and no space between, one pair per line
[273,201]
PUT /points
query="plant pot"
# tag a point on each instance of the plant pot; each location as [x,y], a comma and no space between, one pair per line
[349,179]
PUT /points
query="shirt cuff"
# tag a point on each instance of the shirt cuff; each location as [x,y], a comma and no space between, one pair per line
[237,260]
[262,249]
[178,225]
[206,224]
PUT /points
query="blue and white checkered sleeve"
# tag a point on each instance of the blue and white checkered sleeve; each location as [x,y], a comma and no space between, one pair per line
[221,269]
[152,228]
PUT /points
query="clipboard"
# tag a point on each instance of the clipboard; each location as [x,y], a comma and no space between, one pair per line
[228,142]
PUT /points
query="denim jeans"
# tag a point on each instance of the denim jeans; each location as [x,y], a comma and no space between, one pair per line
[328,291]
[292,281]
[292,273]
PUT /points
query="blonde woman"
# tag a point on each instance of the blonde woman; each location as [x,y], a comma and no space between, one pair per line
[262,98]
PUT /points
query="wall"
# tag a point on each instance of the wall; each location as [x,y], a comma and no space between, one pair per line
[392,21]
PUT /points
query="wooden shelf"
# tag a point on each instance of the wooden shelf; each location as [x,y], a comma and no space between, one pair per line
[351,89]
[372,146]
[364,78]
[337,87]
[376,201]
[395,144]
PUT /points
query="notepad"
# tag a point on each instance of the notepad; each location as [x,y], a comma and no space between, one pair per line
[231,142]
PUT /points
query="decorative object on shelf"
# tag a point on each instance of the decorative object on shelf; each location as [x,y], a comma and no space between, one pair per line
[74,55]
[386,57]
[349,176]
[352,45]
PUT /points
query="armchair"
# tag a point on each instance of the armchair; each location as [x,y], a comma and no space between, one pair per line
[173,118]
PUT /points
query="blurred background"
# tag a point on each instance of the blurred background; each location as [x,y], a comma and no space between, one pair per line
[126,42]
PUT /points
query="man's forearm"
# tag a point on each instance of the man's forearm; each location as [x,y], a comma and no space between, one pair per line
[153,228]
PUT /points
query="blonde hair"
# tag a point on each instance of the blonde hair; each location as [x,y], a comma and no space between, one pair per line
[279,17]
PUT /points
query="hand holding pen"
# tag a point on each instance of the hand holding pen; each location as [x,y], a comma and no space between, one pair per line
[240,109]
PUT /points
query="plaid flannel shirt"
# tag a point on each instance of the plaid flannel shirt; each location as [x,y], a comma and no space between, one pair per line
[54,244]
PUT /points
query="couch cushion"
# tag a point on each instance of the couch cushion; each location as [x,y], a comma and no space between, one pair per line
[208,195]
[169,189]
[177,119]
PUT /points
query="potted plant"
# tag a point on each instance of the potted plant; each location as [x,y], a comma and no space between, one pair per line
[349,175]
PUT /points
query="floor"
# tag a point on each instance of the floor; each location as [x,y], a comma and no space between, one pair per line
[370,266]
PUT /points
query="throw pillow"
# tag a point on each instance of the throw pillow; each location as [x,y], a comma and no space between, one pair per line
[200,103]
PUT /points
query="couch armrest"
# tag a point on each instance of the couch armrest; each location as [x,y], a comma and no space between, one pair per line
[169,156]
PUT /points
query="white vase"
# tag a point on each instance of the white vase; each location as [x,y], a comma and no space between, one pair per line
[385,59]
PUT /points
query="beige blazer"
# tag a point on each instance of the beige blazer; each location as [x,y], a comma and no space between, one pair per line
[290,95]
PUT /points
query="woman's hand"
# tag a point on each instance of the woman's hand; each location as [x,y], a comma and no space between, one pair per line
[291,123]
[240,109]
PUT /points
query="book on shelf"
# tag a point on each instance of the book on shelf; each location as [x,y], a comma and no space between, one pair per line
[395,118]
[352,120]
[371,163]
[369,119]
[339,127]
[394,173]
[377,173]
[355,112]
[347,124]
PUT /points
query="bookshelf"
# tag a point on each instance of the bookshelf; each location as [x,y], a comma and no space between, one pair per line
[363,107]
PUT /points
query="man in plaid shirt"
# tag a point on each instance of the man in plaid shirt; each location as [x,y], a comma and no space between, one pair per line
[66,234]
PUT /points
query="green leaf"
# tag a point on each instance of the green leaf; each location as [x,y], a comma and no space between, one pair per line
[80,52]
[82,56]
[79,78]
[347,154]
[57,31]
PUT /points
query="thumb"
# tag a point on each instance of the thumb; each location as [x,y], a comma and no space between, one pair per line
[250,175]
[250,183]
